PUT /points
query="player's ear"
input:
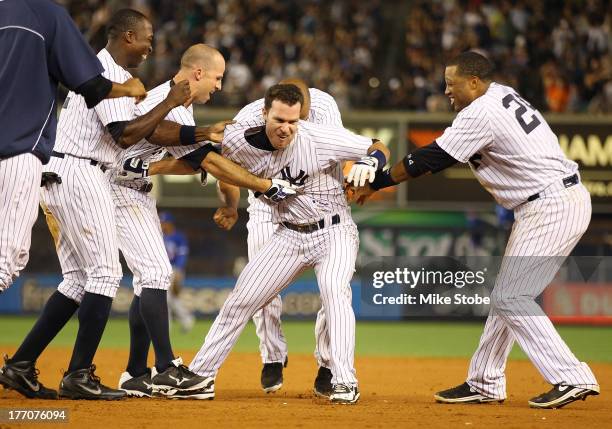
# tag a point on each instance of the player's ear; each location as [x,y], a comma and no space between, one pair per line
[198,73]
[129,36]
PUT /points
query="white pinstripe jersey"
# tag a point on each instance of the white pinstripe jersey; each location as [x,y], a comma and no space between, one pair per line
[311,162]
[82,132]
[510,147]
[181,115]
[323,110]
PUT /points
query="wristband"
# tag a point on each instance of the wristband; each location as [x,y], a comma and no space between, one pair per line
[187,135]
[380,156]
[382,180]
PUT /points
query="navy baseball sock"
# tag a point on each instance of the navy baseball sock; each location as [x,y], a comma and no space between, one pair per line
[93,315]
[139,341]
[58,310]
[154,311]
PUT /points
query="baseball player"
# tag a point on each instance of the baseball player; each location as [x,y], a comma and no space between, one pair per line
[316,229]
[319,108]
[516,156]
[177,248]
[39,46]
[139,230]
[88,142]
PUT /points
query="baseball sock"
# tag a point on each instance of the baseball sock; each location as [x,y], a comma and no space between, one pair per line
[139,341]
[93,315]
[154,311]
[58,310]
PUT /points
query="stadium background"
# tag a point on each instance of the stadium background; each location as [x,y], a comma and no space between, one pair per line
[383,61]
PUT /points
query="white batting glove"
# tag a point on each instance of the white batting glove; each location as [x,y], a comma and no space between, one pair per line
[362,170]
[3,287]
[279,191]
[132,169]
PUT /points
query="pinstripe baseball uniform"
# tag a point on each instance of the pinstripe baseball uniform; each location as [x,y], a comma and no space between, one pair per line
[139,231]
[312,162]
[516,157]
[87,244]
[272,343]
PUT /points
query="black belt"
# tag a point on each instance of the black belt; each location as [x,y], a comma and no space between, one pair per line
[91,161]
[311,227]
[568,182]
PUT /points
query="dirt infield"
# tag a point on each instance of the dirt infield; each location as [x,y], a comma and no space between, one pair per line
[394,391]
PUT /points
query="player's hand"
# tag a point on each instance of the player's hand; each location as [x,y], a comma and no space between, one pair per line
[362,171]
[204,178]
[279,191]
[135,88]
[3,288]
[180,94]
[132,169]
[226,217]
[358,195]
[213,133]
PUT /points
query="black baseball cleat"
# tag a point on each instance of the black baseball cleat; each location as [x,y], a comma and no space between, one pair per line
[272,376]
[23,377]
[463,394]
[561,395]
[137,387]
[344,394]
[177,377]
[84,384]
[322,385]
[207,392]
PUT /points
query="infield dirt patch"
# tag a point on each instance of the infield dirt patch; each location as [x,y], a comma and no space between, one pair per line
[395,393]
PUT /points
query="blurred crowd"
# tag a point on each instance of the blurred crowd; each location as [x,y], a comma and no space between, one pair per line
[382,54]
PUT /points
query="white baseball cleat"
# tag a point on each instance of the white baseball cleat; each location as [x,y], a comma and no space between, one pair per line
[344,394]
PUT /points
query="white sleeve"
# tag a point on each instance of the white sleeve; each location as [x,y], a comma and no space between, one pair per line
[334,145]
[115,109]
[469,133]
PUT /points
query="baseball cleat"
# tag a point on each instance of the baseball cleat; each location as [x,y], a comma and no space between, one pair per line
[207,392]
[177,377]
[323,387]
[561,395]
[23,377]
[344,394]
[136,387]
[84,384]
[463,394]
[272,376]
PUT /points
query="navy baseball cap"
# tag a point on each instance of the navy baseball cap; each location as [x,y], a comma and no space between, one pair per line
[166,217]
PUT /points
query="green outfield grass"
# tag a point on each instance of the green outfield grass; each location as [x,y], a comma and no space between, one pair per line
[426,339]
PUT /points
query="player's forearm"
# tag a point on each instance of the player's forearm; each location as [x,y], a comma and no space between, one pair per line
[170,166]
[226,171]
[146,125]
[229,194]
[172,134]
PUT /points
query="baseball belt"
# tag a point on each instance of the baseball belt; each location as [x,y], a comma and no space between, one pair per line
[311,227]
[91,161]
[568,182]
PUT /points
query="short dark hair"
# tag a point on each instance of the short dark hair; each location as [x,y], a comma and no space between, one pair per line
[287,93]
[471,63]
[123,20]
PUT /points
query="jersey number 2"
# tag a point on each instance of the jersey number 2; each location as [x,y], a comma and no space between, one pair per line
[522,109]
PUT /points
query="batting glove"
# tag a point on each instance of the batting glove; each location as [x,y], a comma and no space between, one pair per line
[133,169]
[362,170]
[279,191]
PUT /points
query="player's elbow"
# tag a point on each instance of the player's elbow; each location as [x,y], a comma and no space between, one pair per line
[124,143]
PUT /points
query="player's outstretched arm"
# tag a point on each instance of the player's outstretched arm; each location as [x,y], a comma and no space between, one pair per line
[425,160]
[130,88]
[364,170]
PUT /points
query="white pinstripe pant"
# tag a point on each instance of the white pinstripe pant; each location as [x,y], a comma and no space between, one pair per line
[544,233]
[272,343]
[332,252]
[19,186]
[87,244]
[140,238]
